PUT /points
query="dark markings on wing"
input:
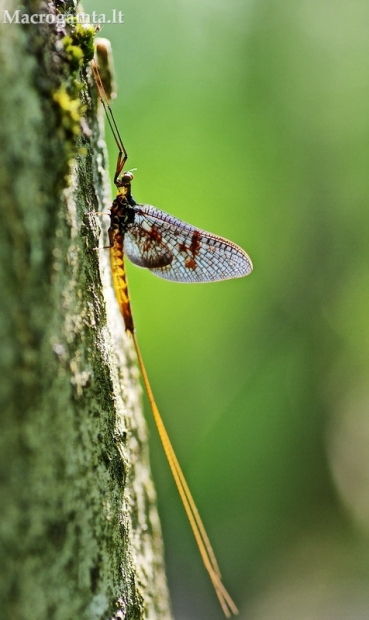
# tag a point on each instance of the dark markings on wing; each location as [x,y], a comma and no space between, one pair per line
[177,251]
[145,247]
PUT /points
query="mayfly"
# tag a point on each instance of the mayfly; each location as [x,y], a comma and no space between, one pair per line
[176,251]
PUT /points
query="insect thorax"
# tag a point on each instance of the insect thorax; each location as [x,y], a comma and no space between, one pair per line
[122,212]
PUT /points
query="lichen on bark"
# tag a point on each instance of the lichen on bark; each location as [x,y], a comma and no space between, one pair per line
[79,532]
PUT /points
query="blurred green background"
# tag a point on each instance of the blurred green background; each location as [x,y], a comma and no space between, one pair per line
[251,120]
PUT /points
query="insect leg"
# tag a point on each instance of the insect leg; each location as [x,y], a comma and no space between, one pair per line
[122,153]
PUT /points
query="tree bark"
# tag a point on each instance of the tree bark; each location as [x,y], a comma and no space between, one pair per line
[79,531]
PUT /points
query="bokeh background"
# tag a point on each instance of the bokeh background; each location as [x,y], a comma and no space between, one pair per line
[251,120]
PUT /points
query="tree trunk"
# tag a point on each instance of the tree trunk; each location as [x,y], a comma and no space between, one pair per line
[79,531]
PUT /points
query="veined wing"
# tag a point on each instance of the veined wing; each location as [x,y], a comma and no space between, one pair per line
[177,251]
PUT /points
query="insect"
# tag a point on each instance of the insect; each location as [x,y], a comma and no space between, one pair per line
[177,251]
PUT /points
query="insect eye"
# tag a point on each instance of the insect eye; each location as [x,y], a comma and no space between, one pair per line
[127,177]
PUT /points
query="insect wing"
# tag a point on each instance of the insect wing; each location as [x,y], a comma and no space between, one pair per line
[177,251]
[144,243]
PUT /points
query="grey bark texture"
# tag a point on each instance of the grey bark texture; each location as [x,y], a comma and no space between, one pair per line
[79,530]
